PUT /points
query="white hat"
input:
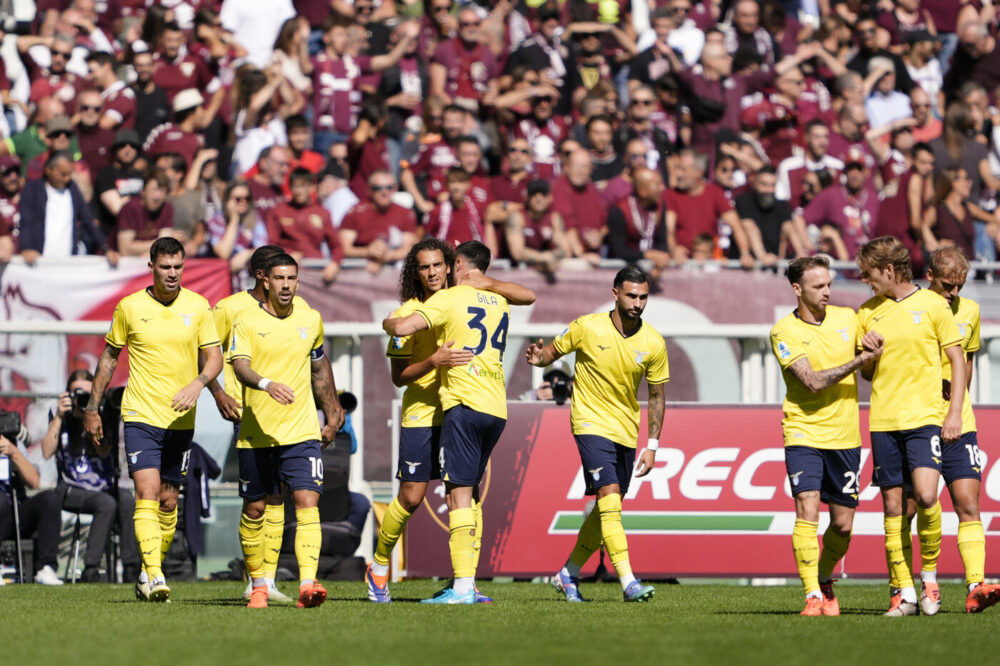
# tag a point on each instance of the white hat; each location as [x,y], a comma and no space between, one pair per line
[187,99]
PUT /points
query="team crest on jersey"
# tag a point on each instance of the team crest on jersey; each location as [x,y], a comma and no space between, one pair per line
[961,327]
[783,350]
[412,466]
[917,315]
[595,474]
[843,333]
[304,332]
[187,319]
[187,68]
[640,356]
[316,221]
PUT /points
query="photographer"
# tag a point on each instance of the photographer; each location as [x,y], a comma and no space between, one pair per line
[39,514]
[556,386]
[88,476]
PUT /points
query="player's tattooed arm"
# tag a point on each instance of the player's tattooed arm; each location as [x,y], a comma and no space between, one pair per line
[655,410]
[513,292]
[817,380]
[105,371]
[325,391]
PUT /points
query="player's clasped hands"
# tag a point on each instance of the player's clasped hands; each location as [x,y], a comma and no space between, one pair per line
[448,356]
[873,342]
[281,393]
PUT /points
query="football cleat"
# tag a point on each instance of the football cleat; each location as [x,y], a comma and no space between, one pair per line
[814,607]
[830,604]
[636,591]
[311,596]
[450,597]
[142,590]
[982,597]
[569,586]
[258,598]
[378,594]
[274,595]
[930,600]
[482,598]
[902,609]
[158,591]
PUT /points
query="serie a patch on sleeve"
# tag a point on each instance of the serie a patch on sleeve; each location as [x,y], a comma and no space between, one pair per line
[783,350]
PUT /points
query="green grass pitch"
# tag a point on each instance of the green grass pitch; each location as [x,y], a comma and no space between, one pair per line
[528,624]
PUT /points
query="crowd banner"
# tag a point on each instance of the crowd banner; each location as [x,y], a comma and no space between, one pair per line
[718,503]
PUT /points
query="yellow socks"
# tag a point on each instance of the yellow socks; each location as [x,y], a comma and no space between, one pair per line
[587,542]
[899,570]
[477,510]
[929,532]
[274,527]
[834,549]
[462,542]
[393,524]
[252,543]
[168,527]
[972,547]
[147,534]
[613,534]
[308,539]
[806,551]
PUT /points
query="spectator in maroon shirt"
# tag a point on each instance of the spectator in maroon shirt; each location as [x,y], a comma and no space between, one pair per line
[464,70]
[180,136]
[146,218]
[539,126]
[273,166]
[695,207]
[579,203]
[433,159]
[537,236]
[368,150]
[177,71]
[95,141]
[846,212]
[118,100]
[511,186]
[303,228]
[47,58]
[459,218]
[378,229]
[10,199]
[636,225]
[948,220]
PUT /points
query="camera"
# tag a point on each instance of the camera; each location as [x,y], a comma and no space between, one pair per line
[10,425]
[80,398]
[112,399]
[560,388]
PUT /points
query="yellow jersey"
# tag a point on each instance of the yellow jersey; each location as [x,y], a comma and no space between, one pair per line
[163,342]
[609,367]
[281,350]
[827,419]
[906,386]
[225,313]
[476,320]
[966,313]
[421,407]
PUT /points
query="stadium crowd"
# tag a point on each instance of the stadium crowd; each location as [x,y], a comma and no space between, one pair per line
[668,131]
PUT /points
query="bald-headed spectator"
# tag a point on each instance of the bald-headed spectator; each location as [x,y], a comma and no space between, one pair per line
[695,207]
[182,135]
[95,141]
[637,226]
[30,142]
[144,219]
[746,33]
[120,181]
[977,58]
[537,235]
[379,230]
[55,218]
[118,107]
[267,185]
[926,127]
[303,228]
[580,204]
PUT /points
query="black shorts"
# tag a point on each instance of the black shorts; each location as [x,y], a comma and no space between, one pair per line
[962,459]
[467,440]
[604,462]
[833,472]
[149,447]
[419,454]
[299,466]
[895,454]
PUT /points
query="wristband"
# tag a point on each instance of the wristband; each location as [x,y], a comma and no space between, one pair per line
[263,384]
[652,444]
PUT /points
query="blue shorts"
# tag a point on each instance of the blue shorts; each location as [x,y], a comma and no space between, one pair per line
[419,454]
[895,454]
[604,462]
[299,466]
[149,447]
[833,472]
[962,459]
[467,440]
